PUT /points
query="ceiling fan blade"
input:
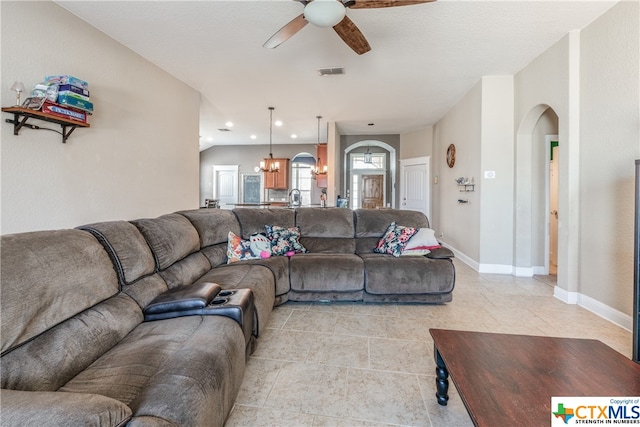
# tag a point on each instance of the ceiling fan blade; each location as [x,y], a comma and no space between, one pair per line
[374,4]
[284,33]
[352,36]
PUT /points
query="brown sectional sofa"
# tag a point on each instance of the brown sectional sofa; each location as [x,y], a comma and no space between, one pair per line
[76,349]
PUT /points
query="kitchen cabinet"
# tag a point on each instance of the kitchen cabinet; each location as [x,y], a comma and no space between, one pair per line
[278,180]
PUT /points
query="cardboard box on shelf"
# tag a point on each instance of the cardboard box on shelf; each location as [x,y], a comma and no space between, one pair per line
[67,113]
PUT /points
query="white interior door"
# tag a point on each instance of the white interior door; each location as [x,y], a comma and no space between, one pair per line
[225,185]
[415,193]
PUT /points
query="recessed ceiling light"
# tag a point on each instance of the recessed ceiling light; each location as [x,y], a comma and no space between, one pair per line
[229,124]
[278,123]
[253,136]
[294,136]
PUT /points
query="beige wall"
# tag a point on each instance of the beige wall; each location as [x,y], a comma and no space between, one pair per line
[138,159]
[416,144]
[458,224]
[544,83]
[481,128]
[609,140]
[589,79]
[496,155]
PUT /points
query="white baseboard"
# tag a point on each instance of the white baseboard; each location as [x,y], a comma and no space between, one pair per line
[565,296]
[523,271]
[608,313]
[596,307]
[540,270]
[462,257]
[496,269]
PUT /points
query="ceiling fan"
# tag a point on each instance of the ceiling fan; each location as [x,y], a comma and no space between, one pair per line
[332,13]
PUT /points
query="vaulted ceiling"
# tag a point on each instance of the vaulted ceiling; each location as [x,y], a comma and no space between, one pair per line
[424,58]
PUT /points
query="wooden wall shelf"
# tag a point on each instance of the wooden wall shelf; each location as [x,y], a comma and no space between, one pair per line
[21,115]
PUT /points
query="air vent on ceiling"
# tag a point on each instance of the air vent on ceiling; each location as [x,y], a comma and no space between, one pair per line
[330,71]
[224,130]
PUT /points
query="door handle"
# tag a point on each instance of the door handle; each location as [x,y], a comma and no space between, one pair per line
[554,213]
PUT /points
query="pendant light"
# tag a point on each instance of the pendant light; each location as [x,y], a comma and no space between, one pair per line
[368,156]
[317,170]
[268,164]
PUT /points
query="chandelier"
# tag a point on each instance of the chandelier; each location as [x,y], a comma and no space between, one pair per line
[269,164]
[317,170]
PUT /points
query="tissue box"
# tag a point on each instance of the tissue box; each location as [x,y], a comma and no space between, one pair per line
[67,113]
[72,100]
[67,80]
[74,89]
[68,93]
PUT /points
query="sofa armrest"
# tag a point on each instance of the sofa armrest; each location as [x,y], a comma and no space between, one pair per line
[40,408]
[441,253]
[190,297]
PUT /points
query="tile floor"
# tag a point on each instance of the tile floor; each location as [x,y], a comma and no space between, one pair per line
[355,364]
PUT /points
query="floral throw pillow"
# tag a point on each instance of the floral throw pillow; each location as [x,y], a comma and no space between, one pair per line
[239,249]
[394,239]
[284,241]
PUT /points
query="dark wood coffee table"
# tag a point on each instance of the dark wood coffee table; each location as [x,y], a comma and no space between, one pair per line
[507,380]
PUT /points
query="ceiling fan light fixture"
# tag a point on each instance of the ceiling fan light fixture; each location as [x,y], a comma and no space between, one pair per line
[325,13]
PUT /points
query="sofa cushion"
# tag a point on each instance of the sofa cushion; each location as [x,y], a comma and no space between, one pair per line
[146,289]
[279,266]
[23,408]
[127,248]
[171,237]
[326,272]
[48,361]
[212,224]
[216,254]
[420,275]
[328,222]
[374,222]
[253,220]
[186,271]
[328,245]
[186,370]
[48,277]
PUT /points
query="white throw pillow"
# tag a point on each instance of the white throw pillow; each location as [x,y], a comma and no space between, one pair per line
[425,238]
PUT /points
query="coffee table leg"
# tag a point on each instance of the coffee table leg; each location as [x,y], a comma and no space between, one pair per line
[442,381]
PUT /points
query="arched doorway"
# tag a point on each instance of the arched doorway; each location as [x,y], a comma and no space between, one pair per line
[375,172]
[536,242]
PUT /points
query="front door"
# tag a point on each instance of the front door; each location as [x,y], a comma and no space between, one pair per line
[372,191]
